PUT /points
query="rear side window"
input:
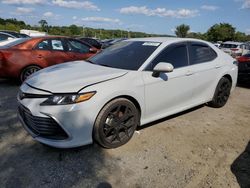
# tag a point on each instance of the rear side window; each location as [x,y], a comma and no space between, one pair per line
[44,45]
[176,55]
[201,53]
[229,46]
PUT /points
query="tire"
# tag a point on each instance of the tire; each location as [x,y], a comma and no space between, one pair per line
[116,123]
[222,93]
[26,72]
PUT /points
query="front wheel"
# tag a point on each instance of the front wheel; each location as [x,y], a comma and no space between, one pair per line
[28,71]
[222,93]
[116,123]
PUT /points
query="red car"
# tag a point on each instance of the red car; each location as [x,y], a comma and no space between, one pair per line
[244,65]
[19,59]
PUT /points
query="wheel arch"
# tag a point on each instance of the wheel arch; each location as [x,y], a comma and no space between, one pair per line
[26,66]
[229,77]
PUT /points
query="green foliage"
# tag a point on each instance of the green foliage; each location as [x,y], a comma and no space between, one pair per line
[182,30]
[218,32]
[44,25]
[221,32]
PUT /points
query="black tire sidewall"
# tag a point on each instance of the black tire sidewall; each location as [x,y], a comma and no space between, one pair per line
[98,127]
[214,102]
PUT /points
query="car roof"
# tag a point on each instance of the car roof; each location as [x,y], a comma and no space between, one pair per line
[231,42]
[164,39]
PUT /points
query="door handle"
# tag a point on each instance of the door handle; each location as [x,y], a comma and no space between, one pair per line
[217,66]
[39,56]
[189,73]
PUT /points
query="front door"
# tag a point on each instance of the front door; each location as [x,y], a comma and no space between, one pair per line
[170,92]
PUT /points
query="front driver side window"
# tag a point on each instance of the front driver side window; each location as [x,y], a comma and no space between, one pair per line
[176,55]
[75,46]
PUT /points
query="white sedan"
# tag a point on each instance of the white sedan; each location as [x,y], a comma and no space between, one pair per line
[130,84]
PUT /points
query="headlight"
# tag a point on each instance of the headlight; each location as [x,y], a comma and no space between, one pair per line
[68,98]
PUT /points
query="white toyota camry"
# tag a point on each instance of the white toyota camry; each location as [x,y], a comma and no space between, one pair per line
[130,84]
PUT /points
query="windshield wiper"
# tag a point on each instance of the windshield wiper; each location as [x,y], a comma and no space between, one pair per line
[89,61]
[105,65]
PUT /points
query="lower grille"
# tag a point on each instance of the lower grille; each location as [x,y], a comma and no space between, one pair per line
[42,127]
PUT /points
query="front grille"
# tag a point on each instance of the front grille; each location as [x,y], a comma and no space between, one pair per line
[42,127]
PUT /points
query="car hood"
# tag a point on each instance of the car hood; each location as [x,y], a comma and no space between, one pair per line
[72,77]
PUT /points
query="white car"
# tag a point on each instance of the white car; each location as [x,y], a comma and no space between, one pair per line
[235,48]
[132,83]
[6,42]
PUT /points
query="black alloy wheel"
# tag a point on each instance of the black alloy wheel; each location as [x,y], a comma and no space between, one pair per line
[116,123]
[222,93]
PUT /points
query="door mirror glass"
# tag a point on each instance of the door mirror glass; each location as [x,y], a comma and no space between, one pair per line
[162,67]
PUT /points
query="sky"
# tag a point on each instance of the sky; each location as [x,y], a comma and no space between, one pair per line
[151,16]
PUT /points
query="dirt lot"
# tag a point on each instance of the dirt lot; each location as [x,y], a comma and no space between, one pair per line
[203,147]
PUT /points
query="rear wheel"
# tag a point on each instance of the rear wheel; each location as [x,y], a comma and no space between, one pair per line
[222,93]
[116,123]
[28,71]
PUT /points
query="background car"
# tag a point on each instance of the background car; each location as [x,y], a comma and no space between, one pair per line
[8,35]
[244,66]
[129,84]
[235,48]
[21,58]
[109,42]
[93,42]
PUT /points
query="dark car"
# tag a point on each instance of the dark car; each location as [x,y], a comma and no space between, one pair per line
[92,42]
[21,58]
[109,42]
[244,65]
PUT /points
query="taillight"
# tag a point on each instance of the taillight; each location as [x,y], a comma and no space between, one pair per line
[234,49]
[243,59]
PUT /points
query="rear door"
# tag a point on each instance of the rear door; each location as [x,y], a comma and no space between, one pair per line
[77,50]
[204,65]
[50,52]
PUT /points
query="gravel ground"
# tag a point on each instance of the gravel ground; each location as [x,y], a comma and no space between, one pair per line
[203,147]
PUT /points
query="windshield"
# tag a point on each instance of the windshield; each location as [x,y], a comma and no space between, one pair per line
[129,55]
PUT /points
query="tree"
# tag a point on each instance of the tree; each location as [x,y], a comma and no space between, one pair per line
[240,37]
[44,25]
[182,30]
[221,32]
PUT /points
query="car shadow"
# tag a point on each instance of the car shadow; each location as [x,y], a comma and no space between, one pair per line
[170,117]
[27,163]
[241,168]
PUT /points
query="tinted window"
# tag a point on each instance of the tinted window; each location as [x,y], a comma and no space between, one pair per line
[57,45]
[3,37]
[78,47]
[229,46]
[247,55]
[201,53]
[176,55]
[44,45]
[129,55]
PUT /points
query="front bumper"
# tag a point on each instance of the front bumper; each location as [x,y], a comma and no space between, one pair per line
[76,121]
